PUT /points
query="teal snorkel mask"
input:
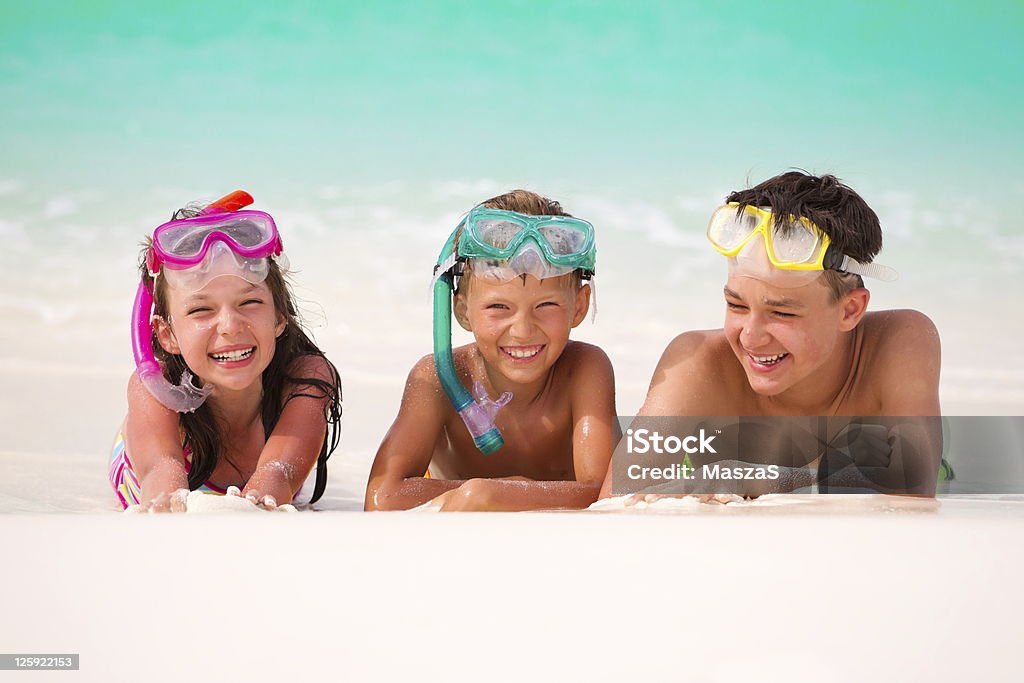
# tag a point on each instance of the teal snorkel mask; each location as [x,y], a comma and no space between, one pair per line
[500,246]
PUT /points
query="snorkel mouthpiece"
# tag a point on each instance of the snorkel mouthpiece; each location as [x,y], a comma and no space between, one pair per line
[477,414]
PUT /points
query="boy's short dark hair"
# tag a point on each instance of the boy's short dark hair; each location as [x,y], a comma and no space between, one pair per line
[841,213]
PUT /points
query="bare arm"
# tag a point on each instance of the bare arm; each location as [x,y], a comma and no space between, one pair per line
[908,360]
[516,495]
[396,478]
[678,386]
[910,357]
[292,448]
[153,442]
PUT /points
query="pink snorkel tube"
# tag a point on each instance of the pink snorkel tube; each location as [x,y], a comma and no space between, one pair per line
[184,397]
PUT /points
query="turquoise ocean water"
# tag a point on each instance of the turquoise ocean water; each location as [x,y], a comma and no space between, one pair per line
[367,128]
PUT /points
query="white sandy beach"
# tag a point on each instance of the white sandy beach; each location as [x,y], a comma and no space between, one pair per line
[815,595]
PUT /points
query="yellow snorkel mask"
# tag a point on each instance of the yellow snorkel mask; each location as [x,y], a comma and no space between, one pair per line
[794,252]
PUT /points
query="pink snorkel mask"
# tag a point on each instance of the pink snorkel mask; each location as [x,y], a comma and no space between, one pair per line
[189,253]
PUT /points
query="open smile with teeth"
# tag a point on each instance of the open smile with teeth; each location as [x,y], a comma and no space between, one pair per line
[522,352]
[767,360]
[232,356]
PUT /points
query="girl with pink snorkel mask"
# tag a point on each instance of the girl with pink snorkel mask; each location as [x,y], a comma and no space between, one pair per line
[230,395]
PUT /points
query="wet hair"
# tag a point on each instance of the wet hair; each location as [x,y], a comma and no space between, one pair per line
[202,433]
[841,213]
[525,202]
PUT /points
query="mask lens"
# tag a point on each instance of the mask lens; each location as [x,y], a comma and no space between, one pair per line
[728,230]
[794,243]
[564,239]
[247,233]
[497,232]
[187,239]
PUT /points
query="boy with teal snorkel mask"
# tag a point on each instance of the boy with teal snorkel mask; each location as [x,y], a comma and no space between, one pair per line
[798,340]
[523,418]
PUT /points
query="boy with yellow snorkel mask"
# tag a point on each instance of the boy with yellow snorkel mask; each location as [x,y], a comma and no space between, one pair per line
[519,270]
[798,339]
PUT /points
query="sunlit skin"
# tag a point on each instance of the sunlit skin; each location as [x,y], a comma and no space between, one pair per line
[521,327]
[227,333]
[559,428]
[227,316]
[795,351]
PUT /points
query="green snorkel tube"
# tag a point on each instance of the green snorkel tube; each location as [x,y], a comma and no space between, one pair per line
[478,414]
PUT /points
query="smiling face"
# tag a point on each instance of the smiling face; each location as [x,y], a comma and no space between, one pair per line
[788,338]
[522,326]
[226,332]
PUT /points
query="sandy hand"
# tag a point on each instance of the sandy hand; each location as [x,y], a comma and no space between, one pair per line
[173,501]
[638,500]
[266,502]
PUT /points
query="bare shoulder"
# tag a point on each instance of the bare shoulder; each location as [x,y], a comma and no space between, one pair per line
[580,356]
[696,350]
[902,353]
[586,373]
[421,414]
[424,369]
[900,336]
[697,375]
[423,386]
[134,385]
[313,366]
[142,402]
[151,429]
[693,342]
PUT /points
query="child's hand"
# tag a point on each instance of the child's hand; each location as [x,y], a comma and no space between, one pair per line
[173,501]
[640,500]
[267,502]
[269,485]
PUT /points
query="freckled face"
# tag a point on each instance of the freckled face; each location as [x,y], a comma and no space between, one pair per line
[781,336]
[521,328]
[226,332]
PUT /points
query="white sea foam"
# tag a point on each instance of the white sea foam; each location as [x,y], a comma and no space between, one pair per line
[896,213]
[1002,375]
[702,204]
[651,221]
[12,230]
[58,207]
[10,186]
[32,366]
[982,394]
[473,190]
